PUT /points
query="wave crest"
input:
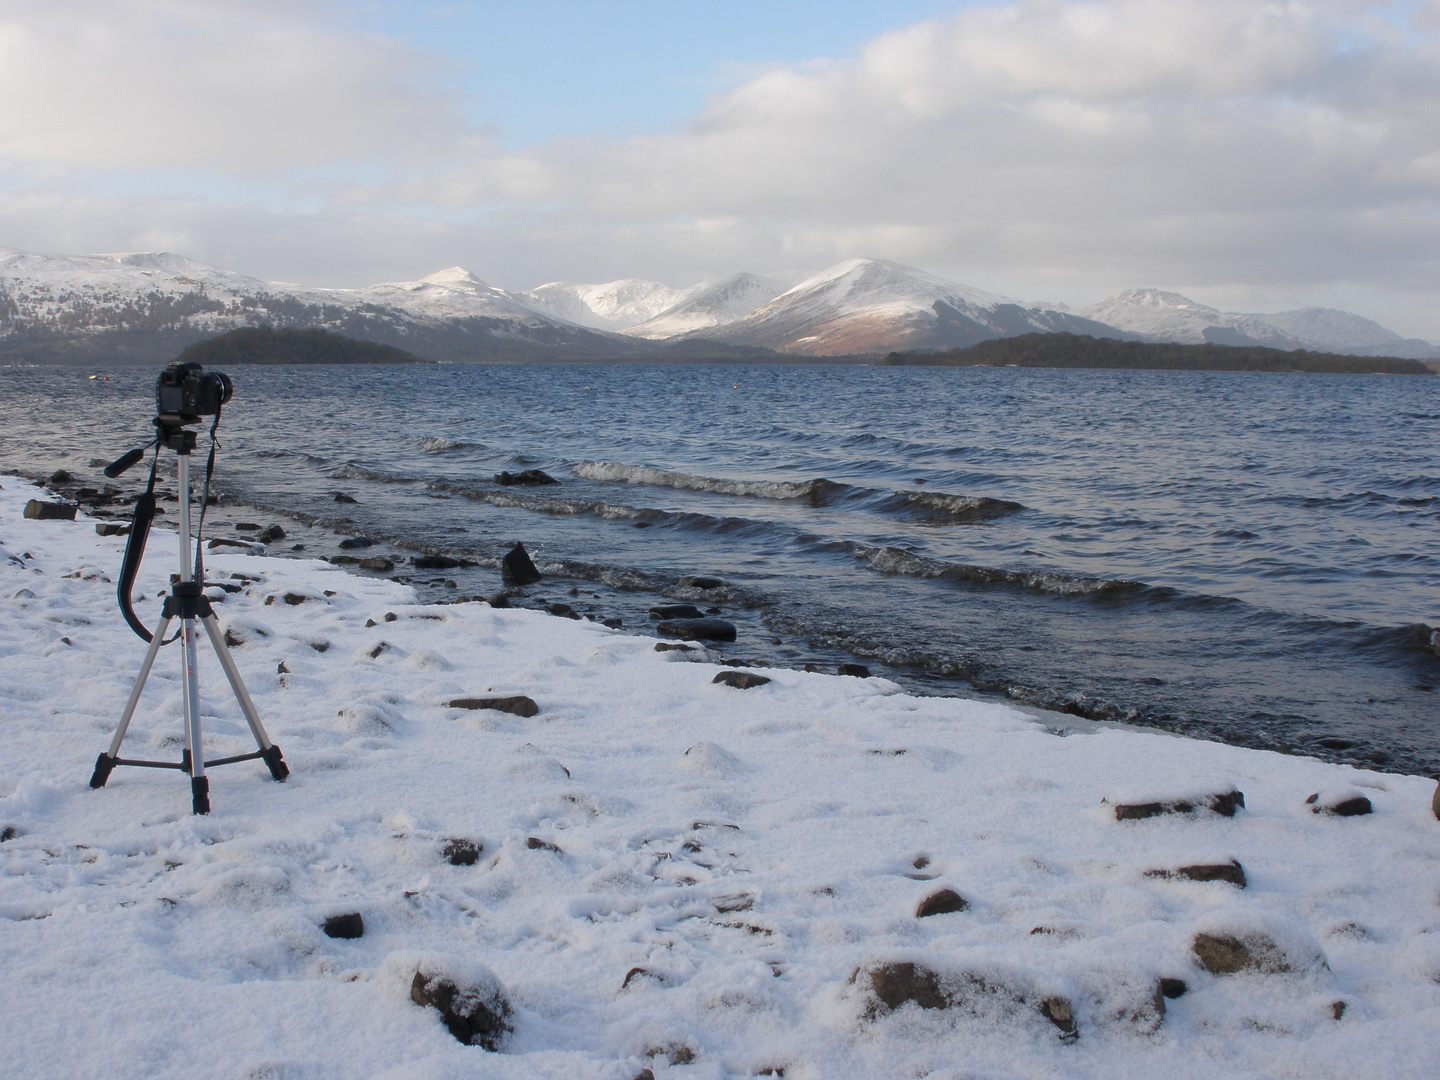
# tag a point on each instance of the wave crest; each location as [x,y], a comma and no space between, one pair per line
[760,489]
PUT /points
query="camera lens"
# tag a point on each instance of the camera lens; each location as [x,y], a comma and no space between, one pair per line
[224,387]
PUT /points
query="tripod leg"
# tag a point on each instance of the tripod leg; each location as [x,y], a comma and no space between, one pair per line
[106,762]
[194,739]
[271,753]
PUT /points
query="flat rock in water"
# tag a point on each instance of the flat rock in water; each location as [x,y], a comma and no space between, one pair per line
[60,476]
[705,583]
[438,562]
[270,534]
[352,542]
[527,478]
[1224,803]
[49,511]
[740,680]
[516,568]
[517,704]
[697,629]
[565,611]
[341,497]
[676,611]
[476,1015]
[859,671]
[382,565]
[225,541]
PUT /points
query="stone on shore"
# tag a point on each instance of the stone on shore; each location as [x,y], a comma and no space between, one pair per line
[740,680]
[697,629]
[516,568]
[345,926]
[890,986]
[941,903]
[50,511]
[1224,803]
[517,704]
[1340,804]
[676,611]
[1230,872]
[352,542]
[476,1012]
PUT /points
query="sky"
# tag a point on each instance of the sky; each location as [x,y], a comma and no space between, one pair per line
[1259,155]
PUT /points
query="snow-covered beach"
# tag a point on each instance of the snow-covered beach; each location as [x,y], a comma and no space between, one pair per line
[671,875]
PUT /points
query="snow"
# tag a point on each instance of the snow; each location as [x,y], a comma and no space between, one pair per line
[748,849]
[714,305]
[614,305]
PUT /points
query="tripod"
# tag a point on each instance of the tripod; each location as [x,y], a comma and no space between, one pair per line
[190,605]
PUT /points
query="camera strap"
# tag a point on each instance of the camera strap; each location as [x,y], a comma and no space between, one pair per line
[205,500]
[135,550]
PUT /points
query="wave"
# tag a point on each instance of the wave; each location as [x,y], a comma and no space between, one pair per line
[758,489]
[891,560]
[945,509]
[444,446]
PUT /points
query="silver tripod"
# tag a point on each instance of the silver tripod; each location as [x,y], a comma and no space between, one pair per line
[189,604]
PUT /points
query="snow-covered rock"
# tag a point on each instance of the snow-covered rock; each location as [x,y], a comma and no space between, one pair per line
[615,305]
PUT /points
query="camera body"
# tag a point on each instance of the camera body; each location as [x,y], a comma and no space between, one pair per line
[185,392]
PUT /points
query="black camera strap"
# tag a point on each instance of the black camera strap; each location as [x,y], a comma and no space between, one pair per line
[205,500]
[135,550]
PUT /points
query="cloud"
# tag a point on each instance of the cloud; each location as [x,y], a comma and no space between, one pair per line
[1236,148]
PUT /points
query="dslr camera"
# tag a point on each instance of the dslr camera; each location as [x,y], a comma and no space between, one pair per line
[185,392]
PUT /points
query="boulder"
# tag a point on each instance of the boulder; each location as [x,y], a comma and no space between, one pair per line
[498,600]
[60,476]
[697,629]
[516,704]
[674,646]
[1221,954]
[345,926]
[111,528]
[1224,803]
[676,611]
[565,611]
[860,671]
[740,680]
[527,478]
[341,497]
[462,852]
[49,511]
[246,526]
[438,562]
[384,566]
[352,542]
[476,1014]
[270,534]
[941,903]
[1231,872]
[1342,805]
[516,568]
[704,583]
[612,623]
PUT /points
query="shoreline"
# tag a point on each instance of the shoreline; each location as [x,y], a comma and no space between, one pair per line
[747,850]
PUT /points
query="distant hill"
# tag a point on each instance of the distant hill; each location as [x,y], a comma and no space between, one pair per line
[267,345]
[1083,351]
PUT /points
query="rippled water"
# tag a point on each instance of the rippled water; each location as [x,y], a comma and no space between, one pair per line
[1252,556]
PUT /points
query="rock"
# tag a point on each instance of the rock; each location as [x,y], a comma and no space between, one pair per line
[705,583]
[390,616]
[345,926]
[1351,806]
[98,463]
[895,984]
[613,624]
[1224,803]
[382,565]
[344,560]
[49,511]
[9,833]
[111,528]
[438,562]
[534,843]
[1221,954]
[378,649]
[941,903]
[676,611]
[517,704]
[476,1015]
[860,671]
[246,526]
[640,973]
[529,477]
[516,567]
[1231,872]
[1059,1012]
[352,542]
[740,680]
[341,497]
[697,629]
[462,852]
[270,534]
[60,476]
[1172,988]
[225,541]
[1435,801]
[1337,1010]
[499,600]
[674,646]
[295,599]
[565,611]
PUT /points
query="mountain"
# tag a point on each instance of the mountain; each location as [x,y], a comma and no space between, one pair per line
[872,306]
[714,305]
[149,305]
[1166,316]
[614,305]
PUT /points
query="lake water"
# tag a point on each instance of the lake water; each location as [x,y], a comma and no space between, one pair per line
[1253,557]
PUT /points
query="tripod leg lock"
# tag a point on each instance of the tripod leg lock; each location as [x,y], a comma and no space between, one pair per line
[200,794]
[273,758]
[103,765]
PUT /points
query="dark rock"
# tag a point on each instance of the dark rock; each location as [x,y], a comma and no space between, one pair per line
[341,497]
[565,611]
[1224,803]
[345,926]
[1231,872]
[246,526]
[352,542]
[516,567]
[1337,1010]
[676,611]
[344,560]
[517,704]
[9,832]
[295,599]
[320,646]
[477,1016]
[860,671]
[534,843]
[498,600]
[1060,1013]
[941,903]
[382,565]
[896,984]
[640,973]
[697,629]
[270,534]
[529,478]
[438,562]
[233,639]
[705,583]
[111,528]
[1223,955]
[1172,988]
[49,511]
[378,649]
[613,624]
[462,852]
[98,463]
[1352,807]
[674,646]
[390,616]
[225,541]
[1435,801]
[740,680]
[60,476]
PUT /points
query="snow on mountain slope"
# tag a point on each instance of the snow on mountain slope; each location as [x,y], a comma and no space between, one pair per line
[1167,316]
[714,305]
[1329,330]
[870,305]
[615,305]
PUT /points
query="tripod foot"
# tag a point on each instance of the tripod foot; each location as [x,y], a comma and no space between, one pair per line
[273,758]
[103,764]
[200,793]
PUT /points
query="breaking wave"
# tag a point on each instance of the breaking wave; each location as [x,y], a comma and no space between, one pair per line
[890,560]
[444,446]
[757,489]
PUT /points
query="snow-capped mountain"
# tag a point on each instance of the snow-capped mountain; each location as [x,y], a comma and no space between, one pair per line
[711,305]
[615,305]
[871,306]
[1166,316]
